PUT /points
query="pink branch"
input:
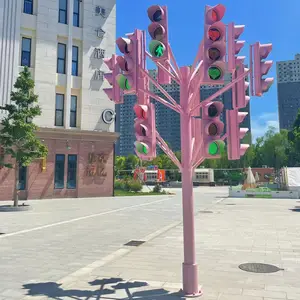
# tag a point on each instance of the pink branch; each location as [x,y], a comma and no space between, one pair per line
[174,76]
[222,90]
[197,152]
[195,72]
[224,137]
[163,145]
[159,99]
[173,60]
[198,56]
[161,89]
[201,159]
[196,89]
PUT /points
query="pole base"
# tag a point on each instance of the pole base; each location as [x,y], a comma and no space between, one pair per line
[190,280]
[196,295]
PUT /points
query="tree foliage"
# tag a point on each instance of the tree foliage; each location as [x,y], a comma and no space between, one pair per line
[18,132]
[274,149]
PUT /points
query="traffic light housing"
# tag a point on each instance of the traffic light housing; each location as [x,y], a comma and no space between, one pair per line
[214,45]
[234,45]
[234,134]
[261,68]
[145,131]
[159,46]
[212,129]
[242,99]
[132,50]
[113,93]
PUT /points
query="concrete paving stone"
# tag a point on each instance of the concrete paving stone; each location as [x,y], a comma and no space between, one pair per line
[265,293]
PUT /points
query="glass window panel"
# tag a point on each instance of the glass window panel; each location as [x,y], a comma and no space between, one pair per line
[59,101]
[72,171]
[25,59]
[61,66]
[61,53]
[59,118]
[76,6]
[73,103]
[22,178]
[26,44]
[59,171]
[75,20]
[75,53]
[72,119]
[74,68]
[28,7]
[63,4]
[62,17]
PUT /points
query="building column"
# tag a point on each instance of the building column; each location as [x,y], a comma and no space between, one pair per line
[69,64]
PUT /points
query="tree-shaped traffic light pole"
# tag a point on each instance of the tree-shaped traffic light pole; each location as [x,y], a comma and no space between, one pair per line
[200,124]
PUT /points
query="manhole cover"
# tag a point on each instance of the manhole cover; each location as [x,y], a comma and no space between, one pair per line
[259,268]
[135,243]
[206,212]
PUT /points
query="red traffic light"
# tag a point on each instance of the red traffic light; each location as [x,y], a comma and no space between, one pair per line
[141,111]
[215,13]
[156,13]
[214,34]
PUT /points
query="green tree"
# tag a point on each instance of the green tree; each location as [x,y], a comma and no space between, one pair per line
[18,132]
[120,164]
[294,139]
[131,162]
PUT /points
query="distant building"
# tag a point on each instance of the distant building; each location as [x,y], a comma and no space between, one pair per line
[167,120]
[288,91]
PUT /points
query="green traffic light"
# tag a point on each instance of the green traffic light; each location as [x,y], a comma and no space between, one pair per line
[157,48]
[216,148]
[214,73]
[141,148]
[123,82]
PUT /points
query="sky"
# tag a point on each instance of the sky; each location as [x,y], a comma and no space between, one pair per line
[268,21]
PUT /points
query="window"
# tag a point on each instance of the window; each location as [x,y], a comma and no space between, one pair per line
[63,12]
[72,171]
[73,111]
[26,52]
[76,13]
[28,7]
[59,171]
[75,61]
[22,178]
[59,110]
[61,58]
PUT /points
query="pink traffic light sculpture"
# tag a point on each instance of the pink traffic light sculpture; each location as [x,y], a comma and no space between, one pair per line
[200,124]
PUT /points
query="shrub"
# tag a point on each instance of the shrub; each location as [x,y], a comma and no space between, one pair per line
[157,188]
[135,185]
[119,185]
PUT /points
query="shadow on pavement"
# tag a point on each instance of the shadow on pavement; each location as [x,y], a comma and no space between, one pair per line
[296,209]
[107,289]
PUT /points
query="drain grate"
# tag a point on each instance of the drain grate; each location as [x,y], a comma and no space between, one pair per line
[230,204]
[206,212]
[134,243]
[259,268]
[1,233]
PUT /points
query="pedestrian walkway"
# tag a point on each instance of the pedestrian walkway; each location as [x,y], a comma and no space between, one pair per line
[234,232]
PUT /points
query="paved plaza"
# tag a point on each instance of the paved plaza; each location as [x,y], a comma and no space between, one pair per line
[75,249]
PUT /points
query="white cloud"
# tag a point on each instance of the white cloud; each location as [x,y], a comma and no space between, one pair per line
[261,123]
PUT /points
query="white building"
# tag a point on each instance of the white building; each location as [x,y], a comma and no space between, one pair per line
[63,42]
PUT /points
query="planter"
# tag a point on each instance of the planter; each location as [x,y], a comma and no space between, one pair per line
[11,208]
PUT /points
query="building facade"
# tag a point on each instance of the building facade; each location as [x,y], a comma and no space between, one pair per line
[288,91]
[167,120]
[63,43]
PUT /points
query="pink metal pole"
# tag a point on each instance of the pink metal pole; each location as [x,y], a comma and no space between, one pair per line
[189,267]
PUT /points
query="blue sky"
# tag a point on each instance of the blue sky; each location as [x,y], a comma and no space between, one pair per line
[186,30]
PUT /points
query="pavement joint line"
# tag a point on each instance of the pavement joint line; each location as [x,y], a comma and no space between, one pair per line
[82,218]
[117,254]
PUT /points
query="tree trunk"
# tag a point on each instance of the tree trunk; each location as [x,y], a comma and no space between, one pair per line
[16,191]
